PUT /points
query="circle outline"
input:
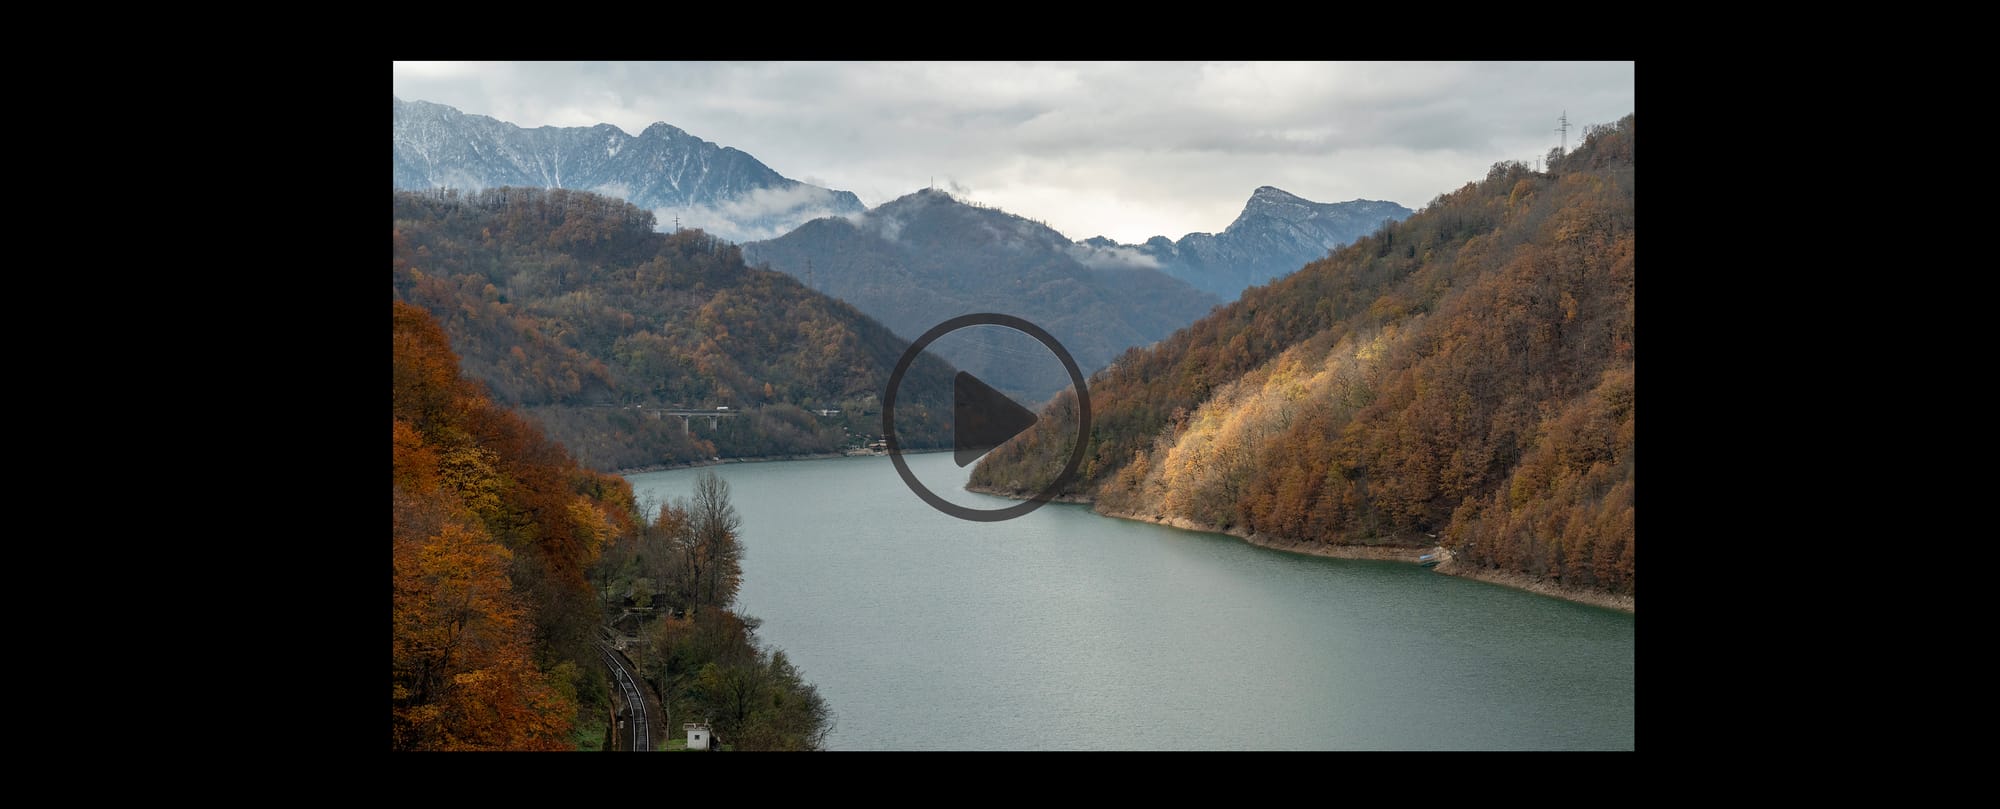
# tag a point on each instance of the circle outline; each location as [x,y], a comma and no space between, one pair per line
[896,451]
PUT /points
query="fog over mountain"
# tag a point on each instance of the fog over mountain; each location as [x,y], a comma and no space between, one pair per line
[676,175]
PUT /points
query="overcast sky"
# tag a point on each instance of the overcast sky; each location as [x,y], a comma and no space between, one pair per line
[1126,150]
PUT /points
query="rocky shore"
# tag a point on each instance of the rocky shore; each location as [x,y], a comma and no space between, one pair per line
[1522,581]
[1386,552]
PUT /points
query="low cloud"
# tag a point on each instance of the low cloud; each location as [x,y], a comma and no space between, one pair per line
[1112,258]
[890,227]
[460,179]
[766,203]
[765,213]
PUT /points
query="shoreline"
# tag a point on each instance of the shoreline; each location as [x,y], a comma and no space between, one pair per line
[665,467]
[1522,581]
[1388,553]
[1383,553]
[816,456]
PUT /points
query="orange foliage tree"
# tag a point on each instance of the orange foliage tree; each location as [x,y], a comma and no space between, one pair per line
[1463,377]
[493,527]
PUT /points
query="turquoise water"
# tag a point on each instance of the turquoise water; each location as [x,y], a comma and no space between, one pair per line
[1067,630]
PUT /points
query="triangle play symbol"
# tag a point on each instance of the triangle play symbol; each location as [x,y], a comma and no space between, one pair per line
[982,418]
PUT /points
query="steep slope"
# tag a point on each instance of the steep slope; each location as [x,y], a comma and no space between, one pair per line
[1464,377]
[493,528]
[665,170]
[570,306]
[1276,233]
[918,260]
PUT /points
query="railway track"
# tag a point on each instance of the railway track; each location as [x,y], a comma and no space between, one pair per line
[635,700]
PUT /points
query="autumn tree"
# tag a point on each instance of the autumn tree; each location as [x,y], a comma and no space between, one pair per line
[465,678]
[1463,377]
[710,666]
[711,552]
[493,527]
[571,308]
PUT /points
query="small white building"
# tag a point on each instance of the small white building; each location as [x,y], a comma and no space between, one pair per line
[698,735]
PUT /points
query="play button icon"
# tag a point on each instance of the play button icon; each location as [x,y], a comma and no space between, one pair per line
[982,418]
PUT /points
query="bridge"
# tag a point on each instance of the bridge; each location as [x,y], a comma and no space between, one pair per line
[685,415]
[688,416]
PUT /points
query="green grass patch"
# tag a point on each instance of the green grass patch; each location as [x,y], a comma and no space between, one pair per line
[589,733]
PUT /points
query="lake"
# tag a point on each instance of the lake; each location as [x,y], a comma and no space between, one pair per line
[1067,630]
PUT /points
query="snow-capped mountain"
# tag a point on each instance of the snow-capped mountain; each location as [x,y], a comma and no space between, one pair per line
[1277,233]
[676,175]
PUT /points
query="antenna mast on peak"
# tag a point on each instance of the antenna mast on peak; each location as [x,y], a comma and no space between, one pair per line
[1564,129]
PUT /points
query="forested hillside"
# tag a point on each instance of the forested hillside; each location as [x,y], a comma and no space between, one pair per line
[494,529]
[497,539]
[1467,373]
[569,306]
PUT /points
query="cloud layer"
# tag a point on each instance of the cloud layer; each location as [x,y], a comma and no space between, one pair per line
[1125,150]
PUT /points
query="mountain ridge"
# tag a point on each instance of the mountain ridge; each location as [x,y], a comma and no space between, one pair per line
[1463,380]
[922,258]
[1276,233]
[665,169]
[571,307]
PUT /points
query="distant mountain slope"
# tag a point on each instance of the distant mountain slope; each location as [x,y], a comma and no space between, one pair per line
[570,306]
[916,261]
[1276,234]
[1464,378]
[665,170]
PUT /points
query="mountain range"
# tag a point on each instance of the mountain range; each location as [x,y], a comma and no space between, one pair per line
[1277,233]
[573,308]
[923,258]
[910,263]
[718,189]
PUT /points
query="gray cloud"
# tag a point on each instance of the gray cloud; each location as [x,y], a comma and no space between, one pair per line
[890,227]
[1126,150]
[765,213]
[1119,257]
[619,190]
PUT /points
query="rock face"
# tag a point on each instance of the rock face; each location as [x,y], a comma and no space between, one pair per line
[666,170]
[1277,233]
